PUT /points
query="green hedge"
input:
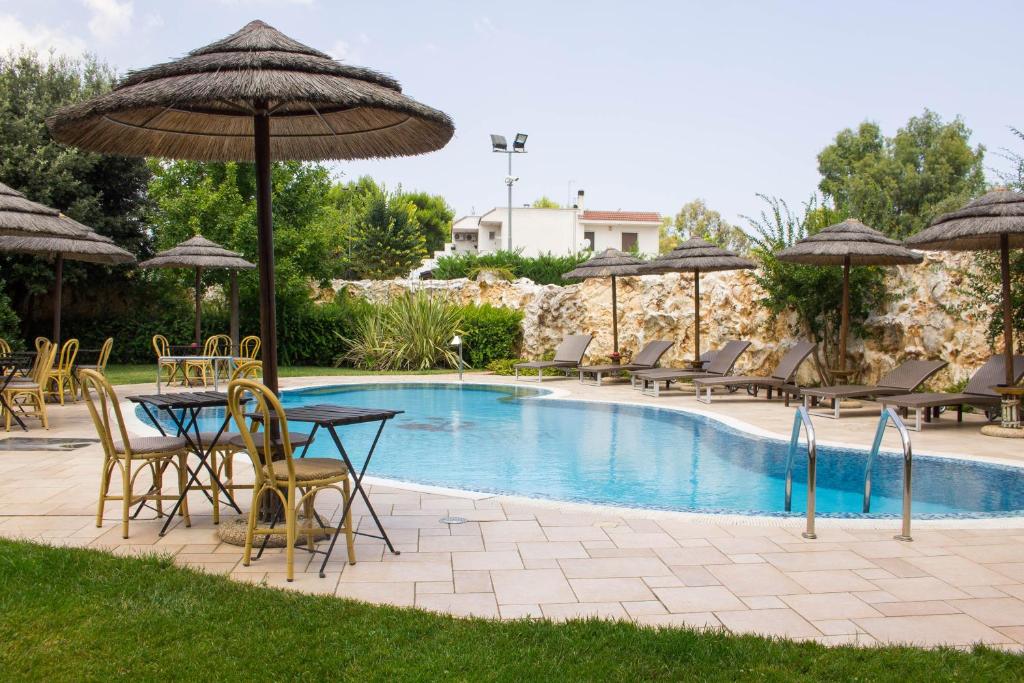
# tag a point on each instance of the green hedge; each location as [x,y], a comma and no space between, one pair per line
[490,333]
[546,269]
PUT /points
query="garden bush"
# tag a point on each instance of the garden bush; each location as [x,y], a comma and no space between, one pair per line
[490,333]
[546,269]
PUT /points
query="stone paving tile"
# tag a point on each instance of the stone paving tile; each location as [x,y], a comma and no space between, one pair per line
[434,587]
[750,545]
[993,611]
[919,608]
[692,556]
[831,581]
[402,594]
[698,620]
[644,608]
[763,602]
[575,533]
[613,567]
[396,571]
[473,582]
[815,607]
[635,539]
[836,627]
[768,622]
[450,543]
[618,590]
[750,580]
[460,604]
[920,588]
[693,576]
[958,571]
[531,586]
[811,561]
[698,599]
[512,532]
[988,554]
[507,559]
[584,610]
[551,550]
[520,611]
[931,631]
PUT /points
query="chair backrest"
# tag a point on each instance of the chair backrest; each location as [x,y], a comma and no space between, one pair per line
[105,410]
[910,374]
[651,353]
[5,348]
[262,448]
[44,364]
[250,369]
[726,357]
[68,353]
[210,347]
[792,360]
[39,343]
[104,357]
[993,372]
[249,347]
[161,347]
[572,348]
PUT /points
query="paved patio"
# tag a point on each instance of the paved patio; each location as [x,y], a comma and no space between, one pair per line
[957,583]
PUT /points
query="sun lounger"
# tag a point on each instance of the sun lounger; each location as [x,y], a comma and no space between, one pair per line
[649,381]
[977,393]
[781,379]
[568,357]
[645,359]
[903,379]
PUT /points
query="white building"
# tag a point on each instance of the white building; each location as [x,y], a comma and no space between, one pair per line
[559,231]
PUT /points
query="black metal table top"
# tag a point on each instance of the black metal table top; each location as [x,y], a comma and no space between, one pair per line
[184,399]
[327,415]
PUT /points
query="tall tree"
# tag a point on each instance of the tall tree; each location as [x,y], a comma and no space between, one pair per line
[899,184]
[546,202]
[386,240]
[434,216]
[107,193]
[695,219]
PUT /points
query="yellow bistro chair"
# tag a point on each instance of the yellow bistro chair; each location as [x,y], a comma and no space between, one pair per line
[296,482]
[22,394]
[202,370]
[40,341]
[249,348]
[104,357]
[162,347]
[62,378]
[5,348]
[131,455]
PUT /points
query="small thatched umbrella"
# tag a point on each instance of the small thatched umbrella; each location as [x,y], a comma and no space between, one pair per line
[199,253]
[846,244]
[256,95]
[696,256]
[27,227]
[609,263]
[992,222]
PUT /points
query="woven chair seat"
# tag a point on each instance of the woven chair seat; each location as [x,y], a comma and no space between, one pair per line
[309,469]
[144,445]
[235,439]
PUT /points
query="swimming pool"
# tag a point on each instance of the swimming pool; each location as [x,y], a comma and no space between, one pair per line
[512,440]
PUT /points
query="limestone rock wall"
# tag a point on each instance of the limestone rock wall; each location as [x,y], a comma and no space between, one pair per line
[915,324]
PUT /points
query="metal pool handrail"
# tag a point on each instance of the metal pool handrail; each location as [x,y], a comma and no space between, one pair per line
[803,418]
[888,414]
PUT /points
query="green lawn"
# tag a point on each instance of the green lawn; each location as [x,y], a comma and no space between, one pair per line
[68,614]
[138,374]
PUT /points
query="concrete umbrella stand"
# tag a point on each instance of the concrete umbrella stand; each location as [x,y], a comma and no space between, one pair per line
[992,222]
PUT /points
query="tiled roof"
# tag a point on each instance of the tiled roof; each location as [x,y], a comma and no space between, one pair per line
[639,216]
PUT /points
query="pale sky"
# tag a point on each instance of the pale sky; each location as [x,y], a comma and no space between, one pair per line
[645,105]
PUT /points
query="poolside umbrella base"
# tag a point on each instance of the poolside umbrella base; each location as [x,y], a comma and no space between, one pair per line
[609,263]
[993,222]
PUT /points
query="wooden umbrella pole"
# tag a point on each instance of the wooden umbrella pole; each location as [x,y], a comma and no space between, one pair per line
[234,313]
[696,317]
[844,320]
[615,318]
[1004,264]
[265,227]
[199,308]
[58,293]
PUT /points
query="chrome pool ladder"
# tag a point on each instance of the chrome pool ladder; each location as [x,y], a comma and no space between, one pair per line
[890,414]
[803,419]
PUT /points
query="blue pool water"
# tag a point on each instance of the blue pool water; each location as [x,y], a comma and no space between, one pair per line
[511,440]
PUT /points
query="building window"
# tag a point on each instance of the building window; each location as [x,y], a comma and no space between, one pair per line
[588,237]
[629,240]
[490,235]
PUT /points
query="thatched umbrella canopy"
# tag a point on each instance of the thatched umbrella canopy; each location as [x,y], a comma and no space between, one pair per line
[609,263]
[27,227]
[256,95]
[696,256]
[846,244]
[994,221]
[199,253]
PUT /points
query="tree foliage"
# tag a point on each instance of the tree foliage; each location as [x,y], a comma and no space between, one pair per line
[898,185]
[434,216]
[386,241]
[813,292]
[695,219]
[545,202]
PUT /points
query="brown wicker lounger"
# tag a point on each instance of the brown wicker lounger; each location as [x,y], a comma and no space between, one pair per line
[645,359]
[649,380]
[780,380]
[568,356]
[904,378]
[978,392]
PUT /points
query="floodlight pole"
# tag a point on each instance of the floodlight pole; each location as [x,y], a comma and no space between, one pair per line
[509,181]
[498,144]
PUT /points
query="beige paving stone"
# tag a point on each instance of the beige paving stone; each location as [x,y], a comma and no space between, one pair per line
[512,532]
[433,544]
[746,580]
[818,606]
[618,552]
[540,564]
[921,588]
[768,622]
[1014,632]
[434,587]
[531,586]
[692,556]
[634,539]
[919,608]
[305,582]
[605,590]
[958,571]
[575,533]
[874,574]
[551,550]
[613,567]
[508,559]
[812,561]
[402,594]
[460,604]
[694,576]
[831,581]
[836,627]
[520,611]
[899,568]
[473,582]
[1012,570]
[763,602]
[987,591]
[930,631]
[748,545]
[993,611]
[698,599]
[1002,552]
[697,620]
[662,581]
[584,610]
[376,572]
[746,558]
[883,549]
[644,608]
[876,597]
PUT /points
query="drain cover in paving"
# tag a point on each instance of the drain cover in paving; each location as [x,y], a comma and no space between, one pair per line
[24,443]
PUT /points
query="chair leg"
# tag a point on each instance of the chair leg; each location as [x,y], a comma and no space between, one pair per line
[182,483]
[126,496]
[350,538]
[214,489]
[290,513]
[307,510]
[42,408]
[108,470]
[251,526]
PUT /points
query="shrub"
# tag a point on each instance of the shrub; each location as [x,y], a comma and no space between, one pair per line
[546,269]
[490,333]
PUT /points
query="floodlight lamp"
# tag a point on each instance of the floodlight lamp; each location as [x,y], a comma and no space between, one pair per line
[520,143]
[498,143]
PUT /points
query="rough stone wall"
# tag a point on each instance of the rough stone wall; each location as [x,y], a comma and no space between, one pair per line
[914,325]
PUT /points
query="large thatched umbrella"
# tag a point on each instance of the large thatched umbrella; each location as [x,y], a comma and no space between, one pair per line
[846,244]
[994,221]
[200,253]
[609,263]
[256,95]
[696,256]
[27,227]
